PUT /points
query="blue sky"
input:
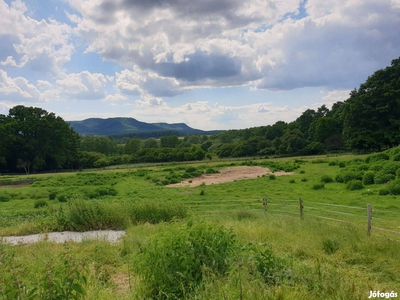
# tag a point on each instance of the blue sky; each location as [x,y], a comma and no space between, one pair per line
[223,64]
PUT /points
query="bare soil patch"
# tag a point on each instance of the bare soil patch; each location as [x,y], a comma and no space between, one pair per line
[229,175]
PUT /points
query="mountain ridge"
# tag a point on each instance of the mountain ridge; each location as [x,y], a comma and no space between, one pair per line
[123,126]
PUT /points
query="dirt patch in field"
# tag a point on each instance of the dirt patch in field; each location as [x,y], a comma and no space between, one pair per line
[15,184]
[229,175]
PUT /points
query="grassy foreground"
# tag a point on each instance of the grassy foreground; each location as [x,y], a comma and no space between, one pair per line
[221,231]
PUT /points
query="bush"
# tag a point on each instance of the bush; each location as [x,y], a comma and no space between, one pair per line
[368,178]
[106,191]
[377,157]
[156,211]
[354,185]
[292,181]
[382,178]
[211,171]
[326,178]
[40,203]
[4,198]
[62,198]
[394,187]
[269,266]
[304,179]
[52,195]
[330,246]
[272,177]
[245,214]
[172,264]
[84,215]
[342,164]
[302,171]
[345,177]
[318,186]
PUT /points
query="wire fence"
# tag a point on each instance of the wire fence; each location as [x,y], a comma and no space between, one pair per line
[384,222]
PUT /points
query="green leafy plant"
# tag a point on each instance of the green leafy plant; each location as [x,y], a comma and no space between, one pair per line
[318,186]
[40,203]
[326,178]
[172,265]
[354,185]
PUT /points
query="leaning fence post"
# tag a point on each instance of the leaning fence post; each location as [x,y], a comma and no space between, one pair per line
[301,208]
[369,216]
[265,204]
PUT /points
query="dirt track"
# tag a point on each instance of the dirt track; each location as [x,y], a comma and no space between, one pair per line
[228,175]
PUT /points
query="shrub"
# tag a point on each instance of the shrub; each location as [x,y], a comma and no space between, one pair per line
[377,157]
[342,164]
[62,198]
[272,177]
[391,168]
[332,163]
[156,211]
[330,246]
[202,192]
[368,178]
[382,178]
[40,203]
[106,191]
[354,185]
[394,187]
[245,214]
[211,171]
[304,179]
[318,186]
[269,266]
[83,215]
[292,181]
[363,167]
[326,178]
[383,192]
[172,264]
[302,171]
[345,177]
[396,157]
[52,195]
[4,197]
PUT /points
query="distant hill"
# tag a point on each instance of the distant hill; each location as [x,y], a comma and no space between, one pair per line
[131,127]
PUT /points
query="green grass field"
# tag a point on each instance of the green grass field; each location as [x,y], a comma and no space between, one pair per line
[272,255]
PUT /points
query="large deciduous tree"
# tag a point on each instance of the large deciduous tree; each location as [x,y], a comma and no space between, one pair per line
[372,113]
[34,139]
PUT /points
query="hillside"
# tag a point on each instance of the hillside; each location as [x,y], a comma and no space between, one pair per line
[129,126]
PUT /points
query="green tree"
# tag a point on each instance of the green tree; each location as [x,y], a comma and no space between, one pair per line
[39,140]
[133,145]
[372,113]
[169,141]
[150,143]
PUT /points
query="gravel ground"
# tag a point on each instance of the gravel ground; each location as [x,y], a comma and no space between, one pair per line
[61,237]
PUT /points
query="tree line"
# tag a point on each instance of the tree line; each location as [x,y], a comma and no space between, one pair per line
[33,139]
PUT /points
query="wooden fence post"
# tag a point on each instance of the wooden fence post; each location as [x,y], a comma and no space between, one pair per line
[301,208]
[265,204]
[369,216]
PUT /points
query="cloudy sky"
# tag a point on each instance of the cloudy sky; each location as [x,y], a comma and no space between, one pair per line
[213,64]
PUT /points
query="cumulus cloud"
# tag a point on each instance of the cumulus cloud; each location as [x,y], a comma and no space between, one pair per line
[17,89]
[42,46]
[83,85]
[225,43]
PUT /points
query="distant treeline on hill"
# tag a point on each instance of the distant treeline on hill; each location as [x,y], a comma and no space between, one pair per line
[369,120]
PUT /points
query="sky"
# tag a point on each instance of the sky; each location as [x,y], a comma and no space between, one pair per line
[225,64]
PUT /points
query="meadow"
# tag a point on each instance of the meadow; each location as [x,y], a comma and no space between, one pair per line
[211,241]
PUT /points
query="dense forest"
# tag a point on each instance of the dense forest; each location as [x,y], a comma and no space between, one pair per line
[369,120]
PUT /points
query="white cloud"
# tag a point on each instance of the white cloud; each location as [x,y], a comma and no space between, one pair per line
[42,46]
[227,43]
[17,89]
[83,85]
